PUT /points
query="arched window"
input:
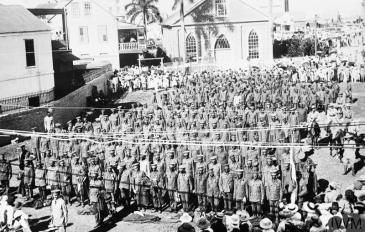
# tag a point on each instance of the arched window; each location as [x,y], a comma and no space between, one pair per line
[191,48]
[222,43]
[220,8]
[253,45]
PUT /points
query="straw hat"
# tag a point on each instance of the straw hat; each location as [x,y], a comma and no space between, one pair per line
[266,224]
[185,218]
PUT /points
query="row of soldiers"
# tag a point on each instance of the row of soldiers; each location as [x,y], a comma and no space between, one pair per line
[241,177]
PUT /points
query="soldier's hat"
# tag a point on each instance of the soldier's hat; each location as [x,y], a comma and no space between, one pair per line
[200,167]
[58,125]
[239,170]
[78,117]
[255,163]
[34,128]
[186,152]
[274,170]
[153,165]
[199,156]
[181,167]
[69,122]
[213,157]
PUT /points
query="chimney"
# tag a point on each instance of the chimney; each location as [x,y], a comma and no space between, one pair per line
[286,5]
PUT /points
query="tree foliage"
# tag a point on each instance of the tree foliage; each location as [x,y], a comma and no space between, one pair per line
[145,10]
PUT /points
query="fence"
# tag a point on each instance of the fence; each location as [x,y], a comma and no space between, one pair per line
[91,75]
[14,104]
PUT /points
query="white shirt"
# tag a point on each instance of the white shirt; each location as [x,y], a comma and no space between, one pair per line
[48,123]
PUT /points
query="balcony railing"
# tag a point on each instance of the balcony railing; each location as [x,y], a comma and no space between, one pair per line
[131,47]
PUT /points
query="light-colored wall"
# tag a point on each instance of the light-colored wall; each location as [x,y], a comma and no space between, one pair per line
[95,49]
[237,36]
[15,78]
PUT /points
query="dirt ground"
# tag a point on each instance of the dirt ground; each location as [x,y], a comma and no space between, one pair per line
[328,168]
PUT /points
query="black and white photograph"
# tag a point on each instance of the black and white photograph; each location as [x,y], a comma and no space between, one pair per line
[182,115]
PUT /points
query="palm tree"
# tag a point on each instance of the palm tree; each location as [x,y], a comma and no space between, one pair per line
[145,9]
[180,4]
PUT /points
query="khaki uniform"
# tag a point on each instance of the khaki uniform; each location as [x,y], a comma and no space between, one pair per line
[226,188]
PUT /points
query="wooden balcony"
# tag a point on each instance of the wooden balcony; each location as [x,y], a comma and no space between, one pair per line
[133,47]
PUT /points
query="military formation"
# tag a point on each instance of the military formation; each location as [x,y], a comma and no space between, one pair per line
[219,140]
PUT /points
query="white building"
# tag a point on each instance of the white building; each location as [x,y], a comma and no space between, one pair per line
[92,29]
[26,66]
[229,32]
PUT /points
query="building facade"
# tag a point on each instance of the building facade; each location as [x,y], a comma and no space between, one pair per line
[227,32]
[92,31]
[91,28]
[26,66]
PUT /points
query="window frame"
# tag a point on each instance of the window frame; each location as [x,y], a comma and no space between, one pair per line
[87,10]
[217,9]
[253,45]
[75,9]
[33,53]
[85,35]
[191,47]
[222,43]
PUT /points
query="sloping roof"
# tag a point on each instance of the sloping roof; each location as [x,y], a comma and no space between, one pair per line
[125,25]
[54,5]
[15,19]
[175,18]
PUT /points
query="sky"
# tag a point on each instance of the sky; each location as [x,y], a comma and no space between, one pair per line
[324,8]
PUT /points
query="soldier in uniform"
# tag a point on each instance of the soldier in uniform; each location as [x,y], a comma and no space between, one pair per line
[29,178]
[184,187]
[213,191]
[215,166]
[35,144]
[201,187]
[137,182]
[40,180]
[124,183]
[255,194]
[226,187]
[239,192]
[109,178]
[188,162]
[157,185]
[96,199]
[5,173]
[59,212]
[275,193]
[171,185]
[65,180]
[52,174]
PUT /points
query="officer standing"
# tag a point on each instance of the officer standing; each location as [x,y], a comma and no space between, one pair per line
[59,212]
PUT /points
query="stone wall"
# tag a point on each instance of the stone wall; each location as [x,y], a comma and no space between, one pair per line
[25,120]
